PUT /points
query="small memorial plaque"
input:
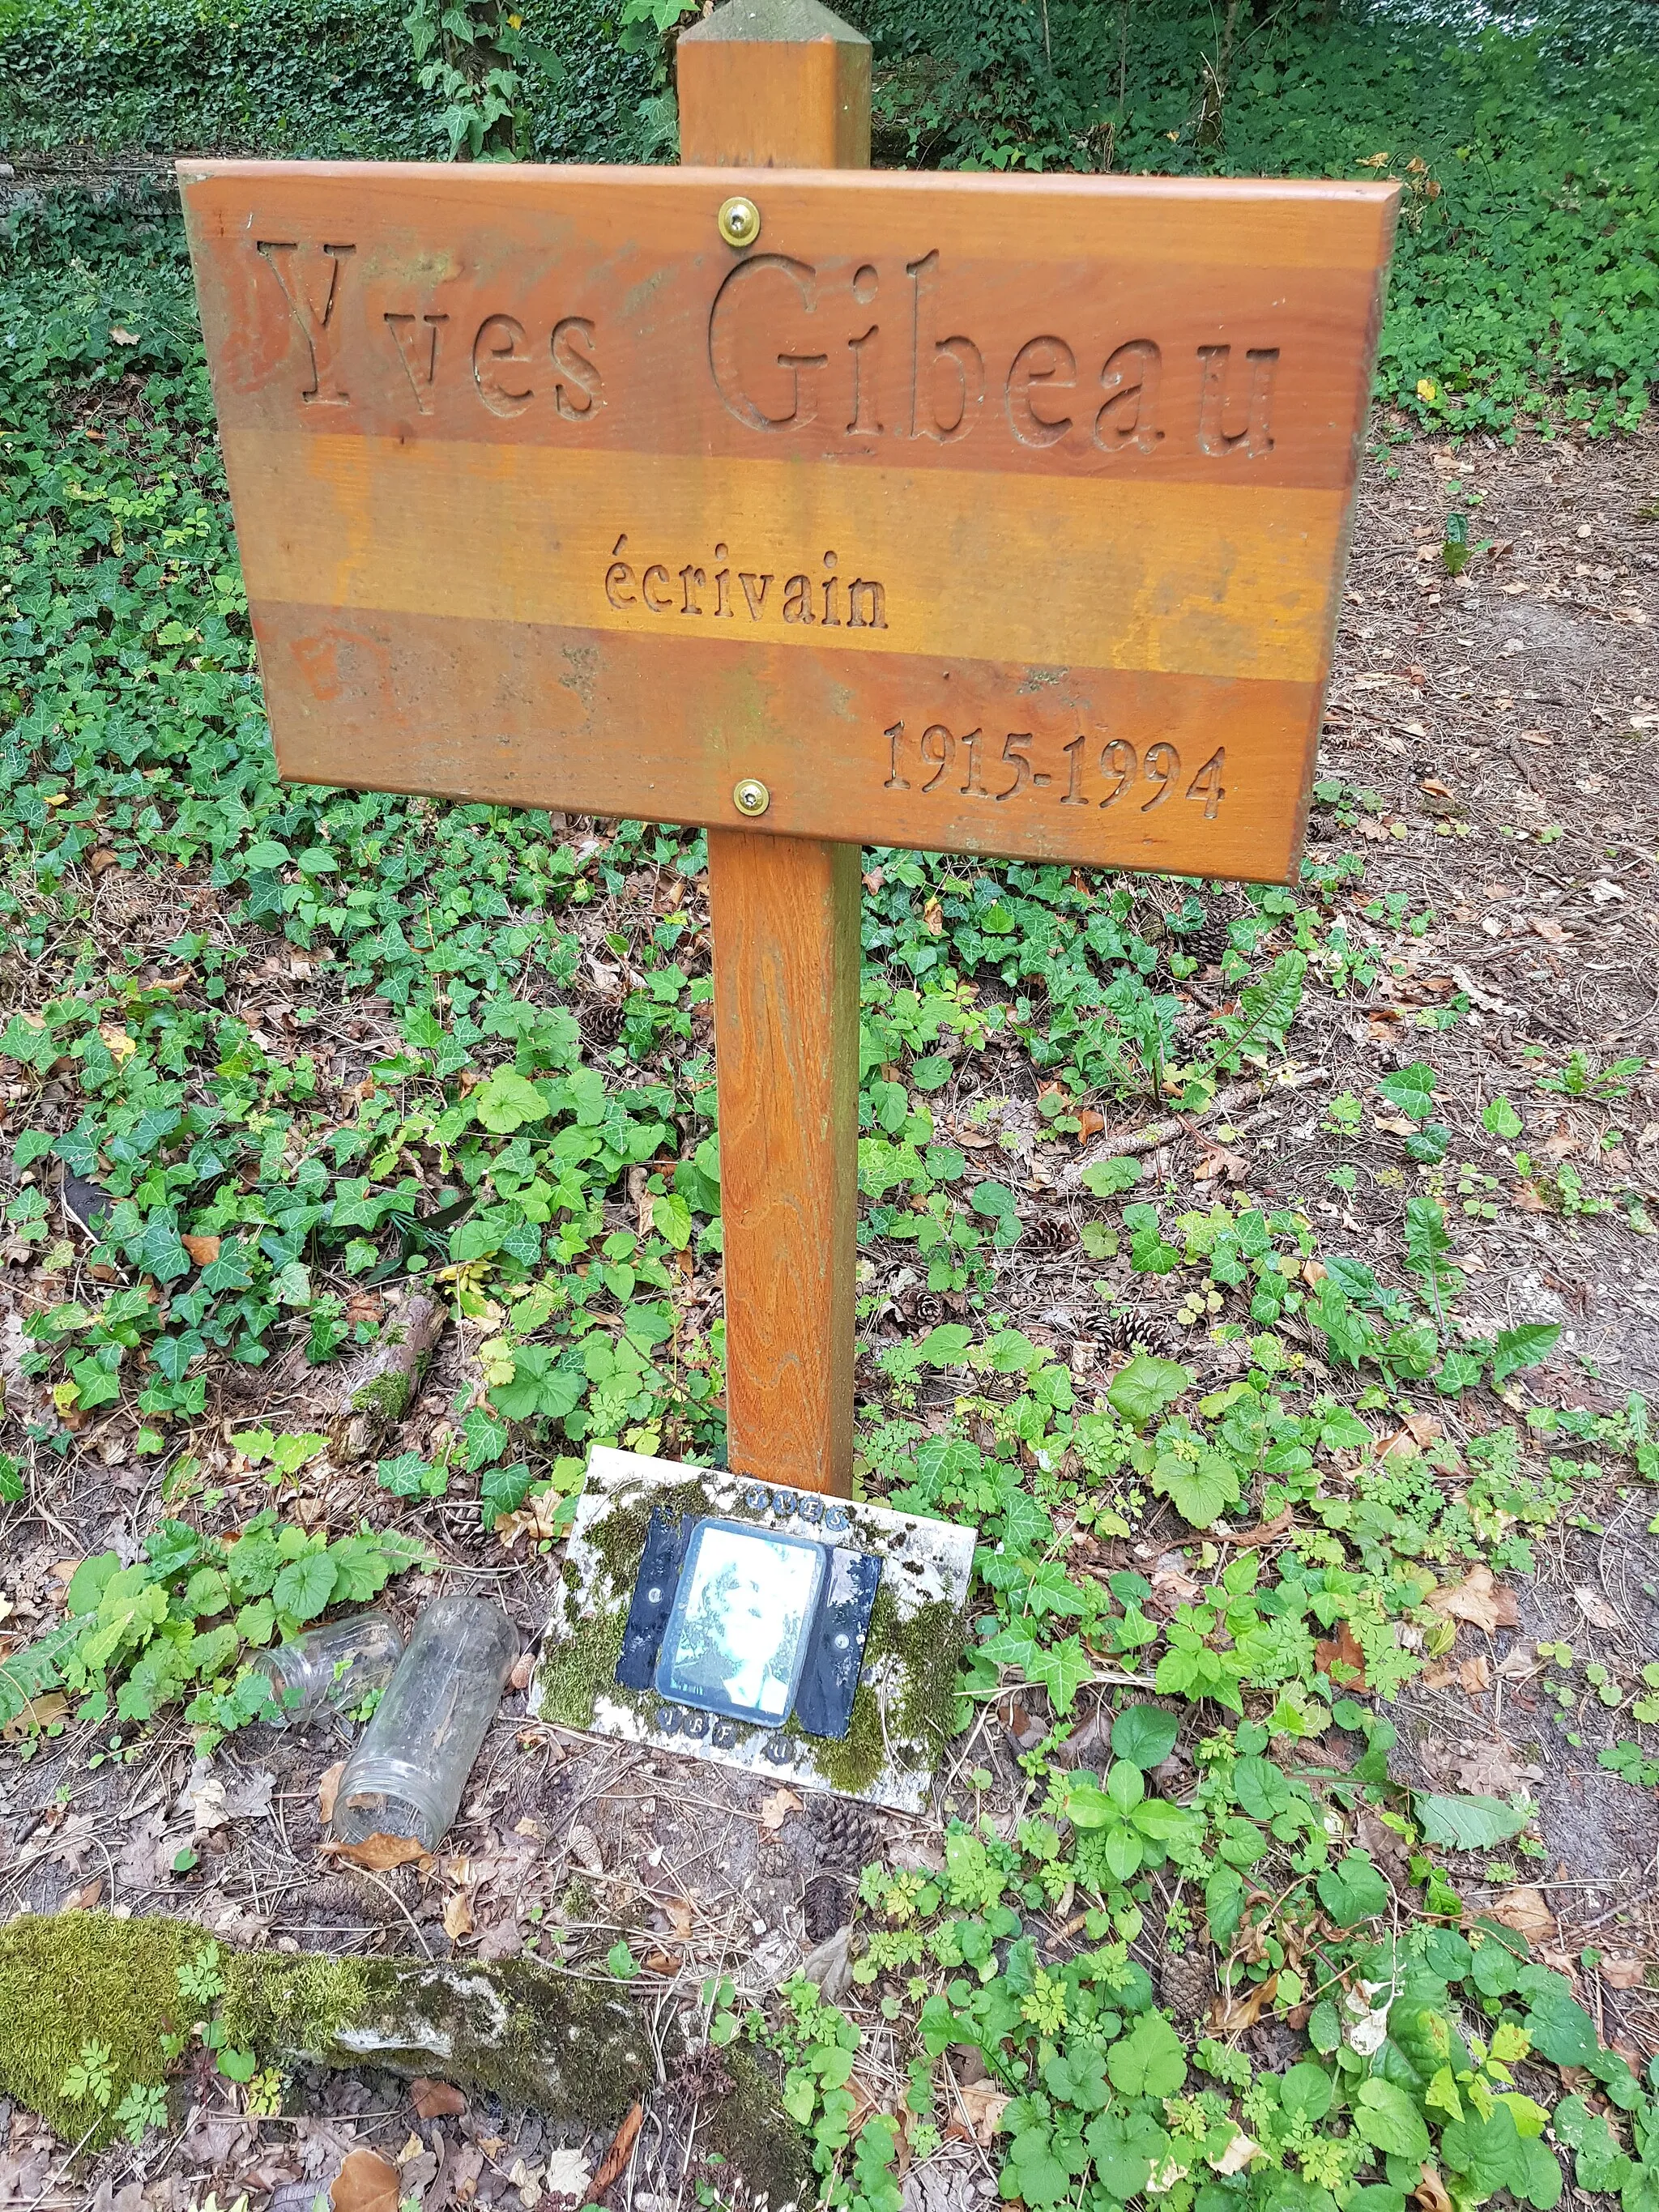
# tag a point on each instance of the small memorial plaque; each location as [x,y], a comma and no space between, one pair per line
[982,514]
[813,1640]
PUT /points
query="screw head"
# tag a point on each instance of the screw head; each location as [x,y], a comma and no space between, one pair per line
[751,796]
[738,222]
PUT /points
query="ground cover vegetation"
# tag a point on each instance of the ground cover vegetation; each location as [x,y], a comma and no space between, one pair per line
[1258,1457]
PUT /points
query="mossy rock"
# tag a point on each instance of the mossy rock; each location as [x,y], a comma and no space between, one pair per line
[579,2051]
[77,1977]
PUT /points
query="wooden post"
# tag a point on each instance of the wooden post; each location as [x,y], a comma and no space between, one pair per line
[784,84]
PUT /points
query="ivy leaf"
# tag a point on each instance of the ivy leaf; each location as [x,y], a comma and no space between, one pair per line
[1062,1669]
[305,1586]
[1145,1386]
[1501,1120]
[1410,1091]
[1468,1824]
[1145,1735]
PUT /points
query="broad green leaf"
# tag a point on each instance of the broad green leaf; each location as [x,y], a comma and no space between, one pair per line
[1145,1386]
[507,1102]
[1384,2115]
[1148,2061]
[1144,1734]
[1468,1824]
[1523,1346]
[1352,1890]
[670,1216]
[1109,1178]
[305,1586]
[1501,1120]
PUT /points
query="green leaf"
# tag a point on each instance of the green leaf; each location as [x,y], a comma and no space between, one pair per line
[1524,1347]
[1385,2115]
[1145,1735]
[945,1346]
[265,854]
[1145,1386]
[1410,1091]
[1352,1890]
[507,1102]
[305,1586]
[1148,2061]
[89,1582]
[670,1216]
[1468,1824]
[1201,1489]
[1062,1669]
[1501,1120]
[1109,1178]
[621,1962]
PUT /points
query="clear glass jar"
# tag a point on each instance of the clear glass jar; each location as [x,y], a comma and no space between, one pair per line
[407,1774]
[331,1669]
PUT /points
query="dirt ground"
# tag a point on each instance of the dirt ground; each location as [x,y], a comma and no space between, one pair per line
[1522,695]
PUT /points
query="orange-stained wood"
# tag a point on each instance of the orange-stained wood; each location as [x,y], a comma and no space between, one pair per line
[784,84]
[952,509]
[785,916]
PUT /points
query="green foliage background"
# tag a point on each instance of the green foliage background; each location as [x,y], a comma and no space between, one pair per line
[1527,272]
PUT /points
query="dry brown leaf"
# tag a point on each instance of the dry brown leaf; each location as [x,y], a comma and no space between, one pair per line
[120,1045]
[1593,1607]
[984,2105]
[1439,1678]
[1622,1973]
[1477,1599]
[1341,1658]
[379,1854]
[537,1517]
[1228,2015]
[366,2183]
[933,917]
[1561,1142]
[775,1809]
[1091,1123]
[611,2165]
[458,1915]
[328,1788]
[1549,929]
[1520,1661]
[436,2100]
[86,1899]
[680,1915]
[40,1712]
[1430,2192]
[1474,1674]
[203,1250]
[103,859]
[1526,1911]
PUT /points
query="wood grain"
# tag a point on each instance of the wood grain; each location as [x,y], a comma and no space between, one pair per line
[785,909]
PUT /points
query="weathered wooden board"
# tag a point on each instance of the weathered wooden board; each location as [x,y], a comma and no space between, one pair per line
[990,515]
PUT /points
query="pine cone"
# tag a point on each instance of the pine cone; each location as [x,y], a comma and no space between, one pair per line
[1210,943]
[826,1905]
[846,1837]
[1187,1983]
[1048,1234]
[601,1024]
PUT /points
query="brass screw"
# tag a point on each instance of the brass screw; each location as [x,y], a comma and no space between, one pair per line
[751,796]
[739,222]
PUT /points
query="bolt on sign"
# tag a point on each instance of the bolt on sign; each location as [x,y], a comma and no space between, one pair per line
[989,515]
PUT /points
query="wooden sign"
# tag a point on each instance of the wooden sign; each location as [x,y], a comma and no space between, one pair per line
[1000,515]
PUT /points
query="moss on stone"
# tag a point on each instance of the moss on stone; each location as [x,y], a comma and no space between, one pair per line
[70,1978]
[576,1669]
[279,2005]
[926,1646]
[753,2134]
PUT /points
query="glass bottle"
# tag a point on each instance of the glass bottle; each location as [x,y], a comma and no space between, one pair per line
[408,1772]
[331,1669]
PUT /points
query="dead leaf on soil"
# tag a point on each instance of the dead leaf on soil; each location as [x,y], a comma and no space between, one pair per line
[379,1854]
[458,1915]
[1548,928]
[203,1250]
[1340,1657]
[85,1900]
[984,2105]
[366,2183]
[1430,2192]
[1478,1599]
[1229,2016]
[1526,1911]
[1091,1123]
[566,2173]
[436,2100]
[611,2165]
[40,1712]
[1518,1662]
[1561,1142]
[775,1809]
[1593,1607]
[1491,1770]
[679,1916]
[1620,1973]
[1474,1674]
[328,1788]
